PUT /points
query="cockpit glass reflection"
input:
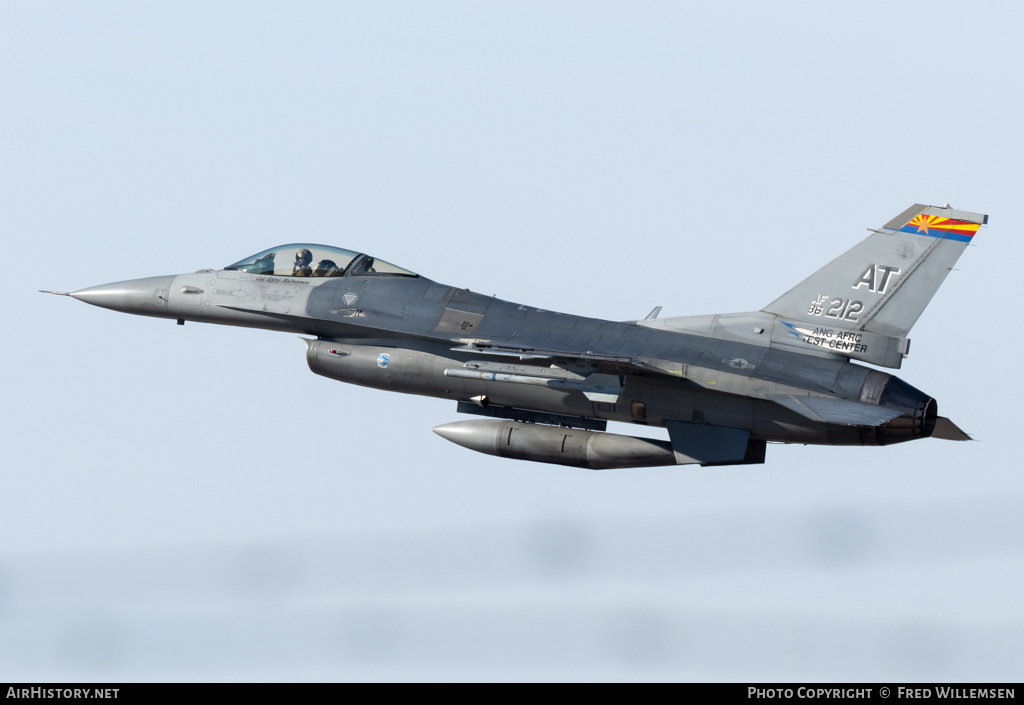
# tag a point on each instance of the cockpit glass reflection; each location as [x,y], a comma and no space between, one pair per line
[298,260]
[307,260]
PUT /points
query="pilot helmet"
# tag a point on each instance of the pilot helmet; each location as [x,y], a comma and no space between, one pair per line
[325,268]
[303,257]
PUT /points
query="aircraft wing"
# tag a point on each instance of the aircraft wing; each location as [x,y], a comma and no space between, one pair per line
[357,329]
[816,408]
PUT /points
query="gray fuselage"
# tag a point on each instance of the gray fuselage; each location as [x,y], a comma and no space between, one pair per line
[426,328]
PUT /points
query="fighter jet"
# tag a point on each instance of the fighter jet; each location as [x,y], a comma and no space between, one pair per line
[547,383]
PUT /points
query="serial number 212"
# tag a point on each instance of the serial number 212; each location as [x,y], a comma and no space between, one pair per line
[844,309]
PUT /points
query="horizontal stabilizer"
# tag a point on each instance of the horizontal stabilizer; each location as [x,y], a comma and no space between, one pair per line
[949,431]
[837,411]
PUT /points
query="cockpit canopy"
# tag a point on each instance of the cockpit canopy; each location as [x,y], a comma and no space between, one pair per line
[309,260]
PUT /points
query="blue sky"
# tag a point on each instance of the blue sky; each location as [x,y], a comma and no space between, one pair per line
[594,158]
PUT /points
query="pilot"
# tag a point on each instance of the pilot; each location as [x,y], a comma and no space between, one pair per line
[327,268]
[302,260]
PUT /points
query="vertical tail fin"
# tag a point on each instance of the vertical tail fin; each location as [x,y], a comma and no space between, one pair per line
[884,283]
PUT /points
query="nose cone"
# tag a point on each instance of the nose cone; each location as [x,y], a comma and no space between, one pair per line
[144,297]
